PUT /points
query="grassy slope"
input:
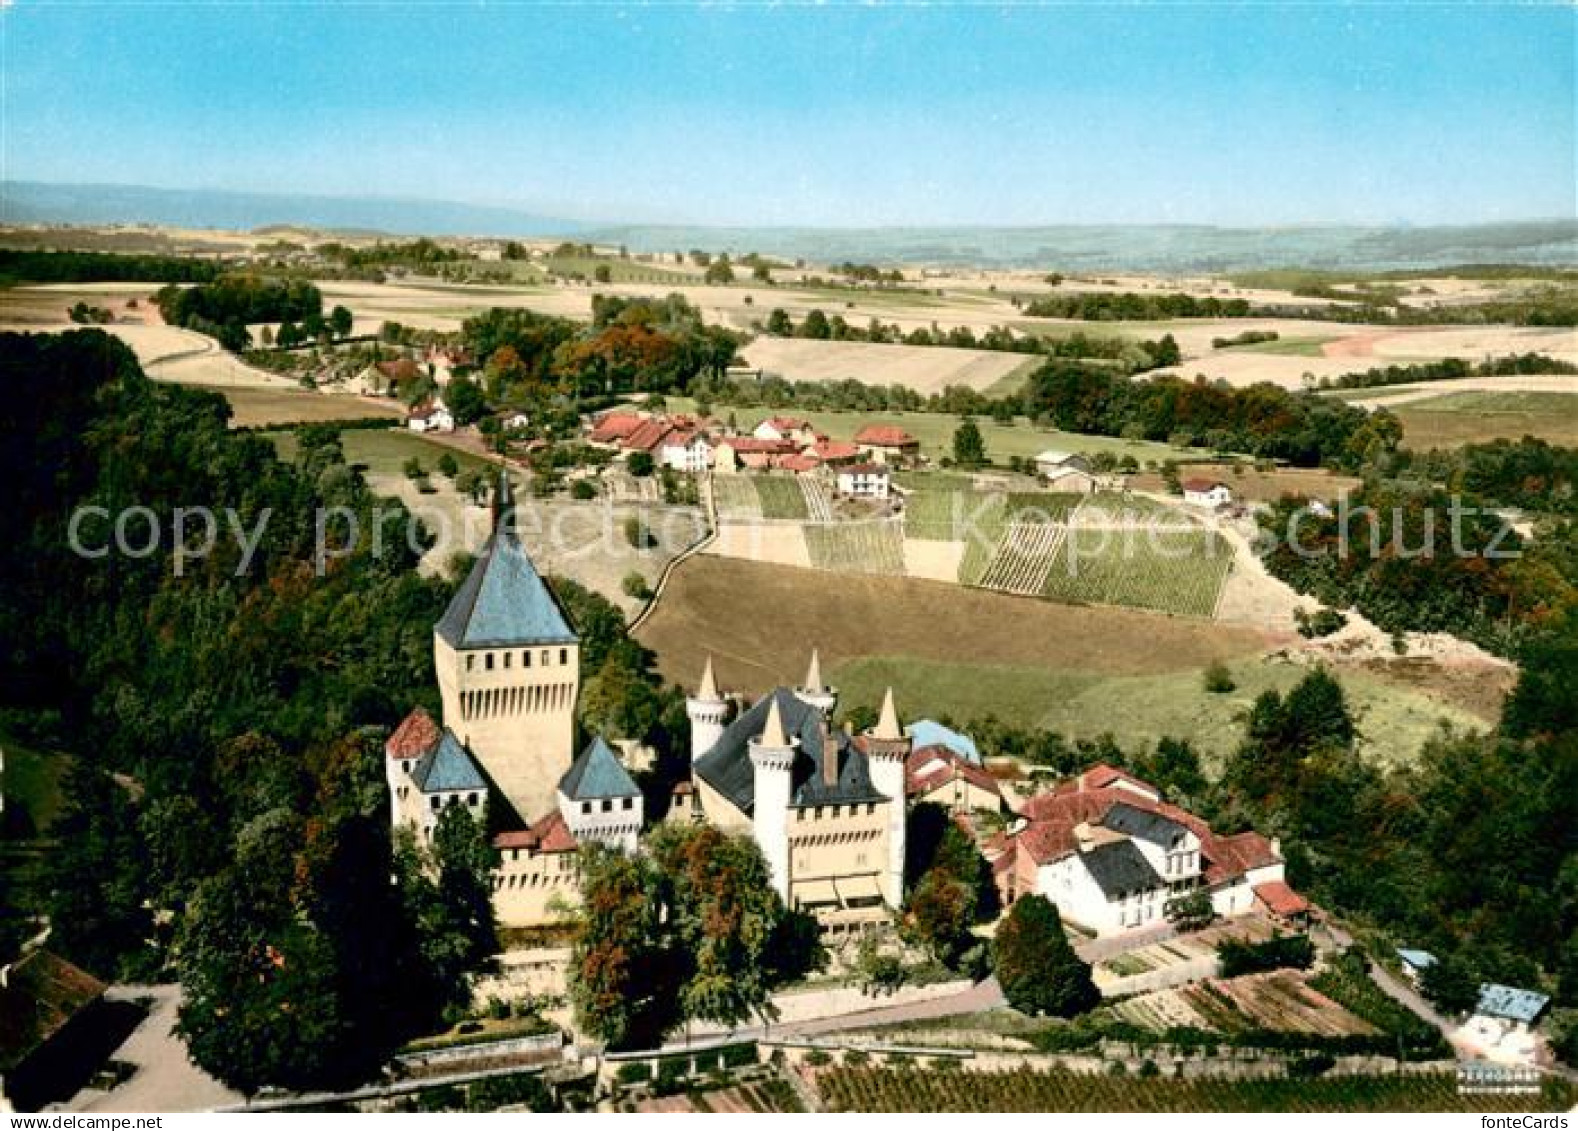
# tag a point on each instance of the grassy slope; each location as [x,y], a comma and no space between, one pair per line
[254,408]
[384,453]
[1473,417]
[1139,709]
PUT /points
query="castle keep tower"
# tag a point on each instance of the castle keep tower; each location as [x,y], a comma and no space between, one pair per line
[888,749]
[508,668]
[708,711]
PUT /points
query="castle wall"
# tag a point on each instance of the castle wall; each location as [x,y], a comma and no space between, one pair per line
[528,886]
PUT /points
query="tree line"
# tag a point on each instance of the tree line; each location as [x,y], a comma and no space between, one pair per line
[102,267]
[222,309]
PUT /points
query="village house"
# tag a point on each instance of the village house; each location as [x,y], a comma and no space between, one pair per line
[1065,472]
[685,449]
[939,775]
[888,444]
[834,453]
[612,429]
[747,453]
[430,415]
[790,428]
[514,422]
[1414,964]
[863,481]
[1111,853]
[1212,493]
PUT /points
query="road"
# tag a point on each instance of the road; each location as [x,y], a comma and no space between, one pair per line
[166,1079]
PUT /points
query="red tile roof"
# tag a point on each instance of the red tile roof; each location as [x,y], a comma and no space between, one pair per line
[863,469]
[1052,818]
[1202,484]
[931,767]
[798,463]
[831,450]
[785,423]
[615,426]
[1281,899]
[414,737]
[550,834]
[885,436]
[750,445]
[649,436]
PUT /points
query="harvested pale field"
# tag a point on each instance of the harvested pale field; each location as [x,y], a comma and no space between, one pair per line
[926,369]
[45,306]
[277,407]
[1395,396]
[737,611]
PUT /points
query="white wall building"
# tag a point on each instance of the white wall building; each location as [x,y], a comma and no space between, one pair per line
[864,481]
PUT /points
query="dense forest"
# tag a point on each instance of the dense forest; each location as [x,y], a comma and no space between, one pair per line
[102,267]
[1263,420]
[222,309]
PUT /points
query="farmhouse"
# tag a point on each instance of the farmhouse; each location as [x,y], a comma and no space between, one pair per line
[787,428]
[685,449]
[1415,963]
[747,453]
[1110,852]
[1503,1022]
[863,481]
[613,428]
[1066,472]
[938,775]
[834,453]
[826,807]
[430,415]
[1211,493]
[887,444]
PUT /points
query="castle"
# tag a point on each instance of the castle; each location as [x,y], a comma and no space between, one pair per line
[826,807]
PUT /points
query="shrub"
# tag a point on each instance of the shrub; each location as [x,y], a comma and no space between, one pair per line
[1237,957]
[1218,679]
[583,489]
[634,585]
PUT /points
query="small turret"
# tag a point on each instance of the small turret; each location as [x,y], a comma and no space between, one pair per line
[814,691]
[772,765]
[708,712]
[887,752]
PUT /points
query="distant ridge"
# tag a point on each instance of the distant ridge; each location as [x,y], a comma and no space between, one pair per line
[35,202]
[1085,248]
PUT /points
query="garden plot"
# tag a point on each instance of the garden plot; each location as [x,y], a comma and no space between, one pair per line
[736,497]
[1280,1000]
[818,505]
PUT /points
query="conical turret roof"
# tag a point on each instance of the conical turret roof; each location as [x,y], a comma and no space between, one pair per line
[888,721]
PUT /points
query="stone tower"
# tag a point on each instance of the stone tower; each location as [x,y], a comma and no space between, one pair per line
[772,764]
[708,712]
[814,691]
[887,751]
[508,666]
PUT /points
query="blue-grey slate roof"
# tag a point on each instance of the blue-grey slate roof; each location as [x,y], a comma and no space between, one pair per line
[929,732]
[727,766]
[597,773]
[1418,959]
[448,766]
[504,602]
[1120,869]
[1496,1000]
[1153,827]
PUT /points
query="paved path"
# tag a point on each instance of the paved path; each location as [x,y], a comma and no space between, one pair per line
[166,1079]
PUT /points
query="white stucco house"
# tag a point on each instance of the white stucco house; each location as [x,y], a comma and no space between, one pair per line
[864,481]
[431,415]
[1211,493]
[1110,853]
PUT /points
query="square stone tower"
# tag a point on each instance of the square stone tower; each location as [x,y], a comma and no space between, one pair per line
[508,666]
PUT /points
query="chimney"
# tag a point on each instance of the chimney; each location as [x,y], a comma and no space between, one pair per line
[829,753]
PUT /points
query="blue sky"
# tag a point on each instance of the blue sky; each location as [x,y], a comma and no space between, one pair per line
[1229,114]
